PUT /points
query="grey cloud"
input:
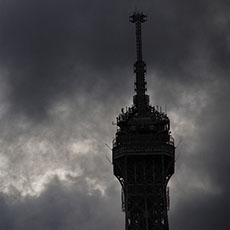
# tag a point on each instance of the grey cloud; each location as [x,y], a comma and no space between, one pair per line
[63,206]
[68,70]
[53,50]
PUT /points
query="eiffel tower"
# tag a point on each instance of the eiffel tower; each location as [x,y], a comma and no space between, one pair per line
[143,153]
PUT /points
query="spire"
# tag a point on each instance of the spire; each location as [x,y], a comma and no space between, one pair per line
[141,100]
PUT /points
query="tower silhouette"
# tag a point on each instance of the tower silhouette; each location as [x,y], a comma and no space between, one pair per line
[143,153]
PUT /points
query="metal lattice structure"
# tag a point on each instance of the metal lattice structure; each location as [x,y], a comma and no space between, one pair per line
[143,154]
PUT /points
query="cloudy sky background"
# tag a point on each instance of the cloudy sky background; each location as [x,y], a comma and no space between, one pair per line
[66,69]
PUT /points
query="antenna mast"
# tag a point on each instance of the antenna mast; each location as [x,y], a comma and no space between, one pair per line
[141,100]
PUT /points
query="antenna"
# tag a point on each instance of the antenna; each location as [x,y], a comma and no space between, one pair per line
[108,160]
[108,147]
[138,18]
[179,142]
[141,100]
[107,156]
[178,156]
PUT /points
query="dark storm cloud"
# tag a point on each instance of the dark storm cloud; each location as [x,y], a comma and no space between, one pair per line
[208,205]
[62,206]
[69,64]
[48,48]
[52,49]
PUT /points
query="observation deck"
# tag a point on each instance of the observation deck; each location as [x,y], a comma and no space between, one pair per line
[143,134]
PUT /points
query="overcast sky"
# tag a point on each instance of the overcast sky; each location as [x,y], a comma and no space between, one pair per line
[66,69]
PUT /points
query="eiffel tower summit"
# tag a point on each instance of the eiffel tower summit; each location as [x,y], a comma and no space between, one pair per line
[143,153]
